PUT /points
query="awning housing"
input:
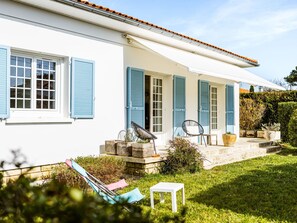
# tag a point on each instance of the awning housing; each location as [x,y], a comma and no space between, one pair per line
[206,66]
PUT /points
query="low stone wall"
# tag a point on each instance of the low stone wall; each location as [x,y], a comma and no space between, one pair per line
[37,172]
[142,166]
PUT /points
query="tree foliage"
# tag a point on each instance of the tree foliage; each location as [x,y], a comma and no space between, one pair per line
[292,78]
[251,113]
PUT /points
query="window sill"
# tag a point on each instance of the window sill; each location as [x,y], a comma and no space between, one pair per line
[38,120]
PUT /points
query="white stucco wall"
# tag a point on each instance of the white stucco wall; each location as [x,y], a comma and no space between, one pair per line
[49,140]
[44,142]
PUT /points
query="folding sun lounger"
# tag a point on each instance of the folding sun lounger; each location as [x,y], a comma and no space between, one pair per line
[102,190]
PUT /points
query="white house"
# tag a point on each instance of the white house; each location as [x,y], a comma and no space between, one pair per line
[73,74]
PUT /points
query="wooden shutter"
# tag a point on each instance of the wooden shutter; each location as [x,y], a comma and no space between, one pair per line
[179,104]
[4,81]
[82,88]
[135,97]
[230,108]
[203,105]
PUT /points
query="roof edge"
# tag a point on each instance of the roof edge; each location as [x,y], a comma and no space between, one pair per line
[86,5]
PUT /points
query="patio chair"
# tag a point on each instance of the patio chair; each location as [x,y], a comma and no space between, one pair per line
[143,134]
[193,128]
[102,190]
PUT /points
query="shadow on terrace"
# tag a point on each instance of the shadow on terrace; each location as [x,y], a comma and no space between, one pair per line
[271,194]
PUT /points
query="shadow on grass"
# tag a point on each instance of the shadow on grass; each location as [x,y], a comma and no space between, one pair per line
[271,194]
[288,150]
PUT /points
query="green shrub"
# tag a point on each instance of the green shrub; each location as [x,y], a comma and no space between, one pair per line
[292,129]
[271,100]
[106,168]
[251,113]
[285,110]
[183,156]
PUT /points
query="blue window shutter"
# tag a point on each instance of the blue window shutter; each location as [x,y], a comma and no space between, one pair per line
[203,105]
[4,81]
[179,104]
[82,88]
[135,97]
[230,108]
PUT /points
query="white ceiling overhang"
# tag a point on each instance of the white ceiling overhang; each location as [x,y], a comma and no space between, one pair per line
[205,66]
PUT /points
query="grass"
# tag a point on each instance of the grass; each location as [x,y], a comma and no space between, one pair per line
[258,190]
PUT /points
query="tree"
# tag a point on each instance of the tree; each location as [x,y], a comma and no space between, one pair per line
[292,78]
[252,89]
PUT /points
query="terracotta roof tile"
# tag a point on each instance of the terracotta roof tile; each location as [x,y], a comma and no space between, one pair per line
[164,29]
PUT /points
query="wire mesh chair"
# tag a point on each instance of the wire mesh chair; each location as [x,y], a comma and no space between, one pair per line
[193,128]
[143,134]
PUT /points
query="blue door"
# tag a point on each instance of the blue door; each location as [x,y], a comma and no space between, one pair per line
[203,105]
[230,108]
[179,104]
[135,97]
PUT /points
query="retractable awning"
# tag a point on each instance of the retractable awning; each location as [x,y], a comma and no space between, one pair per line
[204,65]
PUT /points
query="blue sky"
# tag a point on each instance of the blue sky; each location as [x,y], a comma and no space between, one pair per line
[265,30]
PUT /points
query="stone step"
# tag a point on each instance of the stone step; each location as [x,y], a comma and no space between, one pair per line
[217,156]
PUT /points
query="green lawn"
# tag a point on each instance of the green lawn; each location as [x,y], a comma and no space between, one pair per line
[257,190]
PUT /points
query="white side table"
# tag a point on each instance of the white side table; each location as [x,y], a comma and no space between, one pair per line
[163,187]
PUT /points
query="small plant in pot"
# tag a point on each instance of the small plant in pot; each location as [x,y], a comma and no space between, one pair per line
[271,131]
[229,139]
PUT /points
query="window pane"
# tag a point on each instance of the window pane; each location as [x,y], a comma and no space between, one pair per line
[52,75]
[45,74]
[20,103]
[52,105]
[28,62]
[38,104]
[20,82]
[27,83]
[20,61]
[39,64]
[27,94]
[52,95]
[45,65]
[45,95]
[12,103]
[38,94]
[20,72]
[12,82]
[20,93]
[39,74]
[12,92]
[12,71]
[27,104]
[27,72]
[45,105]
[13,60]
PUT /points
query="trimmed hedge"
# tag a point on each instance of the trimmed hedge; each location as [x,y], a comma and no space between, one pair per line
[271,100]
[285,110]
[292,129]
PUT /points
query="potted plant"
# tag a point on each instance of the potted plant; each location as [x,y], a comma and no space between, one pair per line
[271,131]
[229,139]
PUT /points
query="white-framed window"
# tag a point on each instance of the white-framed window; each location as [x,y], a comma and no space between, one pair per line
[33,83]
[214,108]
[157,108]
[38,88]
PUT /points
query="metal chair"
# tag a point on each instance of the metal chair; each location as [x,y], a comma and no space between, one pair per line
[193,128]
[143,134]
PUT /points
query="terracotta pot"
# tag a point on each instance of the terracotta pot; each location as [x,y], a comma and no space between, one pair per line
[229,139]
